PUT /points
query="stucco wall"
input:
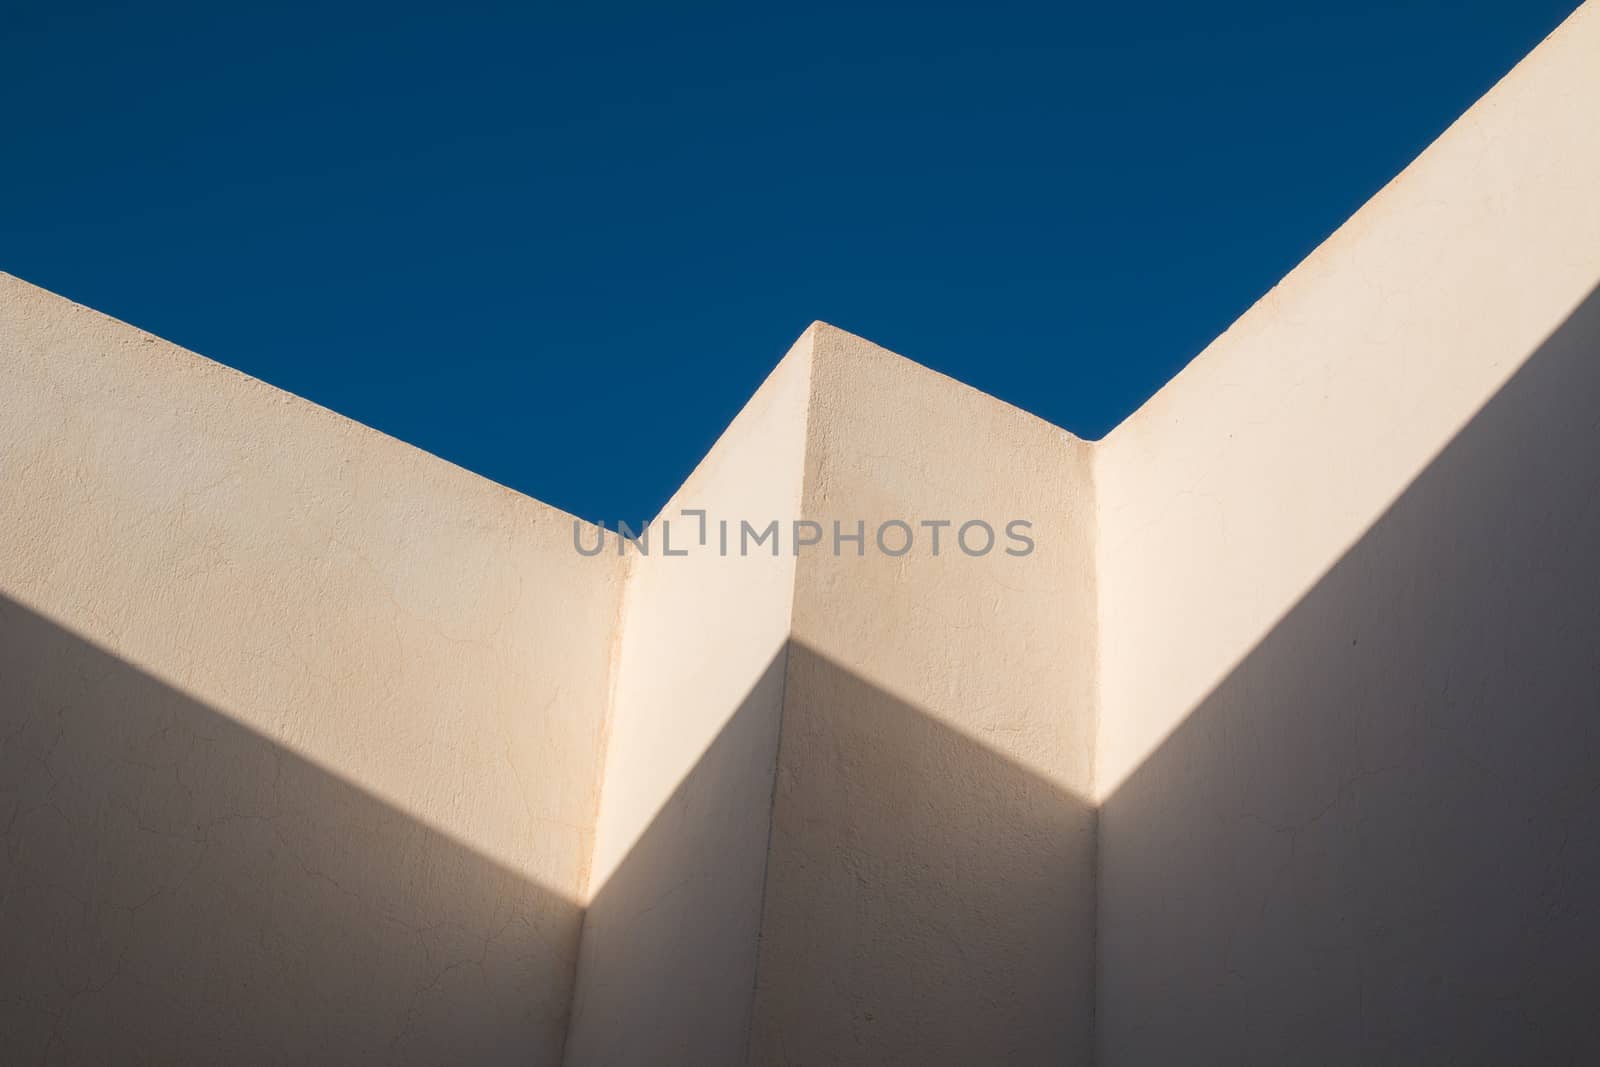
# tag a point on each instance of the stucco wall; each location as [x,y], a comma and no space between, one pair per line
[669,942]
[1279,746]
[918,876]
[301,725]
[929,894]
[1349,692]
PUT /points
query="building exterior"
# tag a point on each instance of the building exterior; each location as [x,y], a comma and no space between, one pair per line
[1270,735]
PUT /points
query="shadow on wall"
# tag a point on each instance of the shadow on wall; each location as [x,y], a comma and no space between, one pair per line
[178,889]
[929,901]
[668,951]
[925,901]
[1378,840]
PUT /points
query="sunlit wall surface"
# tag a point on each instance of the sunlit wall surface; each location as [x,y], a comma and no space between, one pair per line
[1269,737]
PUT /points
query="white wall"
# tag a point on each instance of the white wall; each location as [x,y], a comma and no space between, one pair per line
[1280,746]
[929,894]
[301,725]
[669,942]
[918,877]
[1236,487]
[1348,630]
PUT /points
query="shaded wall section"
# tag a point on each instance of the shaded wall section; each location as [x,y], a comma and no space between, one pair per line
[1349,628]
[929,893]
[929,898]
[669,940]
[1378,840]
[358,679]
[178,888]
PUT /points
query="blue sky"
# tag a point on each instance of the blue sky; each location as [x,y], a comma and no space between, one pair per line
[561,246]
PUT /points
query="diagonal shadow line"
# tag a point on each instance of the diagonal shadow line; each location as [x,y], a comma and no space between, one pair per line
[176,888]
[1367,846]
[1372,843]
[180,889]
[900,875]
[919,898]
[668,951]
[1378,839]
[930,900]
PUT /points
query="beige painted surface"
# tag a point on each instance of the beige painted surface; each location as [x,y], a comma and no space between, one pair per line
[1280,746]
[301,725]
[669,942]
[930,889]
